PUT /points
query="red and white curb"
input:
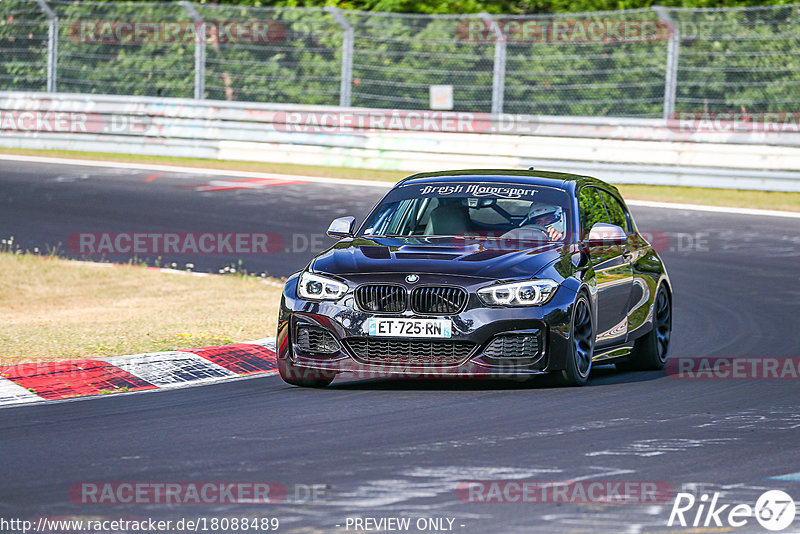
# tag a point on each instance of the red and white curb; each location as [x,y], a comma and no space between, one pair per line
[41,381]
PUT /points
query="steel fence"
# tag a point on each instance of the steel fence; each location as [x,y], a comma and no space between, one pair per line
[645,63]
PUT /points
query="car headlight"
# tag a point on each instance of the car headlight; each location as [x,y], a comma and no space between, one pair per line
[527,293]
[315,287]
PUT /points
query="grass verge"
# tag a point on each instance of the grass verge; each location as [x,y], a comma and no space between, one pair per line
[54,309]
[739,198]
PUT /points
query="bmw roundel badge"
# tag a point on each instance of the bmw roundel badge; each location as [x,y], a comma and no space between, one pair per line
[412,278]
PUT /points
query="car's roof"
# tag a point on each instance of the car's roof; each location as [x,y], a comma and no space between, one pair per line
[560,180]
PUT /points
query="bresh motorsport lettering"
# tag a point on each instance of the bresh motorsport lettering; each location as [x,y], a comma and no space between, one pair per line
[478,190]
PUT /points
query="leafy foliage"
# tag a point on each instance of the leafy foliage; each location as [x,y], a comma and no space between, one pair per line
[516,7]
[735,59]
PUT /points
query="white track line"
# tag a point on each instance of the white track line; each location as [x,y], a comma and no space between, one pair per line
[169,270]
[367,183]
[191,170]
[715,209]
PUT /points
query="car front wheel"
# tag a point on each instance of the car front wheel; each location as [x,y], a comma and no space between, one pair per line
[579,361]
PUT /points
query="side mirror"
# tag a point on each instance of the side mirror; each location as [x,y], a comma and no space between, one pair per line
[606,234]
[342,227]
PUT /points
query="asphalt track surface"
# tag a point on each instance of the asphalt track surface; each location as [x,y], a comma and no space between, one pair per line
[388,448]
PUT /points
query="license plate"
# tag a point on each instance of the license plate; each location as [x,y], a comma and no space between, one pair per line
[380,327]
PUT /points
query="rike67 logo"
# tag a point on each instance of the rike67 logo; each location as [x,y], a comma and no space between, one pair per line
[774,510]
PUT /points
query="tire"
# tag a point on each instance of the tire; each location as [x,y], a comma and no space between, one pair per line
[304,377]
[581,335]
[650,352]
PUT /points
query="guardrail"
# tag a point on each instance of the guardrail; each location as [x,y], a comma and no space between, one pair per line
[708,152]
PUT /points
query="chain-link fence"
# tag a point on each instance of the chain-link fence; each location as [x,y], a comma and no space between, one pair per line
[632,63]
[24,29]
[739,59]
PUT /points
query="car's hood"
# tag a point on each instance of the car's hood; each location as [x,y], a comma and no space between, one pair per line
[438,255]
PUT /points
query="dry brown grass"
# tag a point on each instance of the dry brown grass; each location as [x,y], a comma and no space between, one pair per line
[55,309]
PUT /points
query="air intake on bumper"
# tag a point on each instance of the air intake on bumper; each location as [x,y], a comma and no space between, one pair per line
[312,339]
[409,351]
[513,347]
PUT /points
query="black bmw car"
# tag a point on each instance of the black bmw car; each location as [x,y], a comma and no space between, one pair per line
[479,273]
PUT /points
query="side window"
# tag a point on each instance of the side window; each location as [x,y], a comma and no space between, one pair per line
[615,210]
[591,209]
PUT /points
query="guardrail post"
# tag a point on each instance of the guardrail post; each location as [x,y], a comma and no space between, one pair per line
[346,82]
[673,50]
[499,70]
[199,51]
[52,46]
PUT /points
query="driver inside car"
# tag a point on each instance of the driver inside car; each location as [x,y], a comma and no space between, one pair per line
[548,217]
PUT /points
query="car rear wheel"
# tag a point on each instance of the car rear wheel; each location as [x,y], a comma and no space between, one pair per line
[579,361]
[651,350]
[302,376]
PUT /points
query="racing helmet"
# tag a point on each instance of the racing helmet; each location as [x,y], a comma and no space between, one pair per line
[539,210]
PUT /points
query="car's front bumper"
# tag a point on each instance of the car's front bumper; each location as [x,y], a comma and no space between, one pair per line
[476,326]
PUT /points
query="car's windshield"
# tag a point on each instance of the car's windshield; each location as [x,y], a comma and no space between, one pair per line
[480,209]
